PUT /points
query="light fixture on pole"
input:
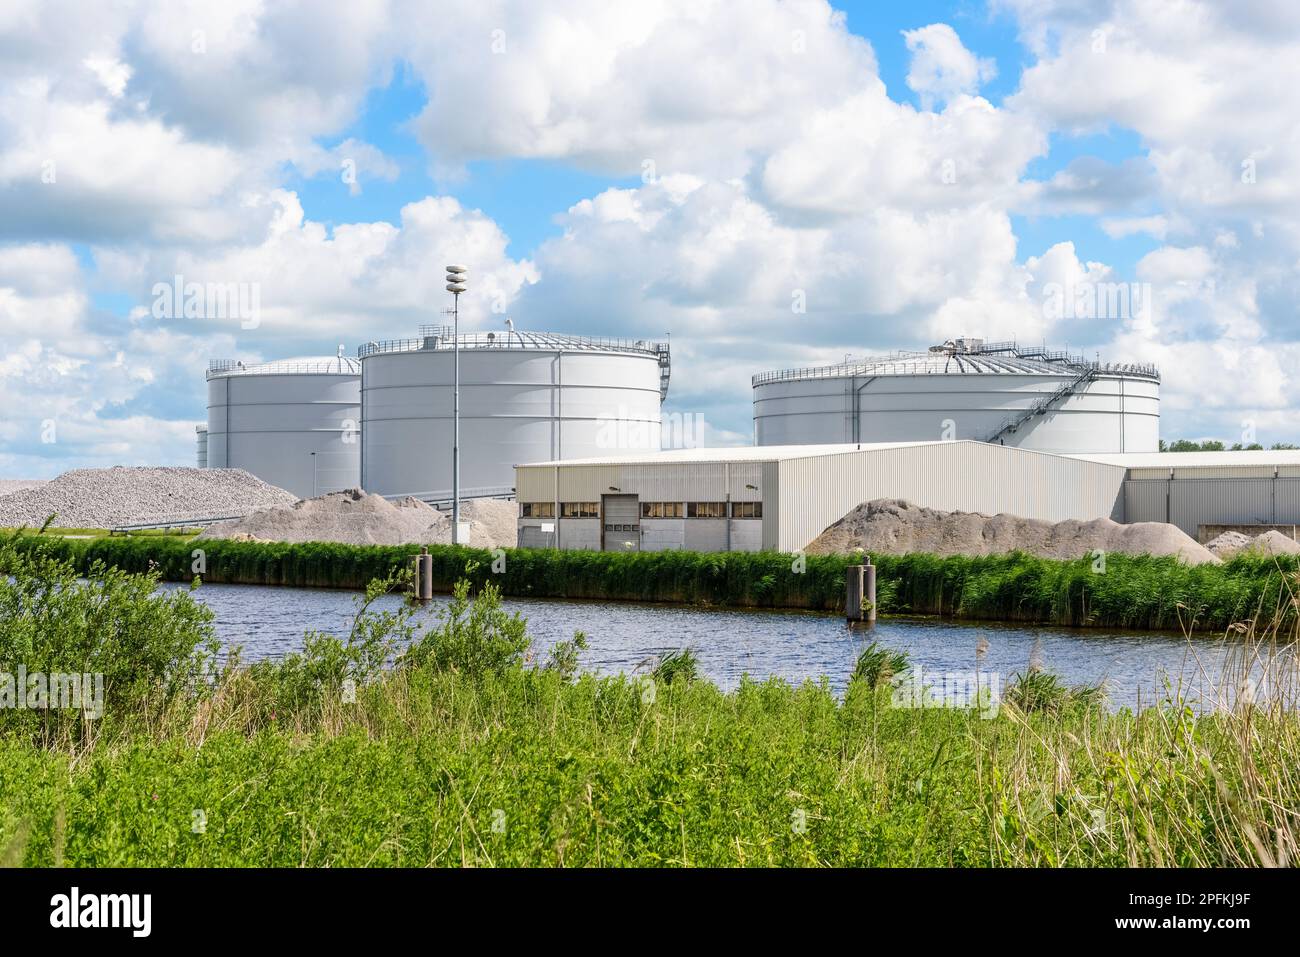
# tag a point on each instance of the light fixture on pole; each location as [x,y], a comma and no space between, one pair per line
[457,282]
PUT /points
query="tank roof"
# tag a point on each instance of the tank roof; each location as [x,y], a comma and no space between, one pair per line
[440,338]
[965,357]
[301,365]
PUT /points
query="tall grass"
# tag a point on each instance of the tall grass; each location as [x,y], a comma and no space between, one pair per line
[1132,593]
[464,753]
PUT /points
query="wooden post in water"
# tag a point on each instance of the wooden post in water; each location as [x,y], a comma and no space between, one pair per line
[853,585]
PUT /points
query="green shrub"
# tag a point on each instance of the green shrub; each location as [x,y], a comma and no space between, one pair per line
[150,646]
[474,636]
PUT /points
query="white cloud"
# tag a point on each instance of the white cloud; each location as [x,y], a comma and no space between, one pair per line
[688,86]
[1119,228]
[774,167]
[942,68]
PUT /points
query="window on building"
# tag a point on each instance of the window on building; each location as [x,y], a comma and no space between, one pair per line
[537,509]
[663,509]
[746,509]
[579,510]
[706,509]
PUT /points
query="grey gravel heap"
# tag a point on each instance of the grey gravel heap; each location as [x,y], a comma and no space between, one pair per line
[103,498]
[356,518]
[897,527]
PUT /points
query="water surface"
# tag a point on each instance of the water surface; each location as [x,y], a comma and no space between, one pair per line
[797,646]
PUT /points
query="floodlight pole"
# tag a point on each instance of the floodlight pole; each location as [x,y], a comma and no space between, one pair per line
[455,420]
[457,277]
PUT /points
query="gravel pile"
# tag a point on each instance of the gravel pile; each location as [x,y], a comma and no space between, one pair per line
[1227,544]
[354,517]
[896,527]
[9,486]
[1271,542]
[102,498]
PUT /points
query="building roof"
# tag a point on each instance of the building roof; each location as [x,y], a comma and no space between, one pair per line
[1185,460]
[301,365]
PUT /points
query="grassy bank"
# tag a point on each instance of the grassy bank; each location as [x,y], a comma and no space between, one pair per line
[1131,593]
[466,751]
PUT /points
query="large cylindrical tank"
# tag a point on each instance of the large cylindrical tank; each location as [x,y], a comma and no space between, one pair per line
[965,389]
[524,397]
[291,422]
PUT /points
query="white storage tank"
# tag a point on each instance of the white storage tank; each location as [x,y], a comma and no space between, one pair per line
[1033,398]
[201,437]
[291,422]
[524,397]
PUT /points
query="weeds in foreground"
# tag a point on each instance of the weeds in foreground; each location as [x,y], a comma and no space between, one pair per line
[461,753]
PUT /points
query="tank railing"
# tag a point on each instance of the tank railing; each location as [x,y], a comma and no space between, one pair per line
[927,367]
[515,340]
[219,367]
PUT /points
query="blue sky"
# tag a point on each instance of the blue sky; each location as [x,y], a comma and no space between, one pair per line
[1102,146]
[524,196]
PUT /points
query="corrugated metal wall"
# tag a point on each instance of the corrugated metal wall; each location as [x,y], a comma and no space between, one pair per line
[965,476]
[1223,496]
[669,482]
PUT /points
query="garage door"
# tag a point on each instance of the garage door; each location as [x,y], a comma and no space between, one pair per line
[621,523]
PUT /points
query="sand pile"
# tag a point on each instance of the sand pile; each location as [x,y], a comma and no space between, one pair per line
[1271,542]
[354,517]
[102,498]
[895,527]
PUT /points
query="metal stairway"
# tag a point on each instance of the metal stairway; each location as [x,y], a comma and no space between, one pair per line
[1041,406]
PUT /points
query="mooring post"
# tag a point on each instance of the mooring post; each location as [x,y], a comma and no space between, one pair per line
[424,574]
[853,584]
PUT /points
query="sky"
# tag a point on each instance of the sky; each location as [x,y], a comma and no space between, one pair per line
[769,184]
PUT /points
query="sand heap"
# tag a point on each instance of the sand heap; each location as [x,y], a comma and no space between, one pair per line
[1271,542]
[355,518]
[102,498]
[895,527]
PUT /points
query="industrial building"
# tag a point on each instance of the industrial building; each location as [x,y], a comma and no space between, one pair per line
[1205,493]
[291,422]
[524,396]
[997,392]
[782,497]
